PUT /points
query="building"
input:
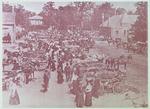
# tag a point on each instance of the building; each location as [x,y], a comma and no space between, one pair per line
[8,24]
[120,25]
[36,20]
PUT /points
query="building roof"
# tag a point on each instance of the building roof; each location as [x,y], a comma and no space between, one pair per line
[36,17]
[119,20]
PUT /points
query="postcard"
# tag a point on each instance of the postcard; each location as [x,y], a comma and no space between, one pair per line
[74,54]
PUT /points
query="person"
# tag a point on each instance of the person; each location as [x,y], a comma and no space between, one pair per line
[77,70]
[129,58]
[112,64]
[53,65]
[45,80]
[71,70]
[27,75]
[47,55]
[79,99]
[16,65]
[39,45]
[116,64]
[13,93]
[67,70]
[53,52]
[60,64]
[96,88]
[31,70]
[74,84]
[88,94]
[60,79]
[49,62]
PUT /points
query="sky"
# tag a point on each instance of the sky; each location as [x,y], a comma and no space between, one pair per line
[36,5]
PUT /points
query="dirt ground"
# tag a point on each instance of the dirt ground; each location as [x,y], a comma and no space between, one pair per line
[137,71]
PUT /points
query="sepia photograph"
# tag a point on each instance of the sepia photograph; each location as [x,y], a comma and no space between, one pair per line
[74,54]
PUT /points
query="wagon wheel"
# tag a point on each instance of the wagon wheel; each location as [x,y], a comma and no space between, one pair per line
[118,88]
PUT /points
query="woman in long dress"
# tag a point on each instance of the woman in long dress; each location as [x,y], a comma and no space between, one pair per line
[79,99]
[13,93]
[96,88]
[46,78]
[74,83]
[88,94]
[60,79]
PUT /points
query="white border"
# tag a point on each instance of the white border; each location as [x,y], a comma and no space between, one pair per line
[17,1]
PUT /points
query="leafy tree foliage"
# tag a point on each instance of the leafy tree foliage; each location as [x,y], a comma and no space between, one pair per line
[139,29]
[120,11]
[101,13]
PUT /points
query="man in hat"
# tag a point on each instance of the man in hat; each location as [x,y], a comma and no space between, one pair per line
[59,76]
[13,92]
[88,94]
[27,74]
[79,93]
[49,62]
[97,89]
[46,78]
[67,72]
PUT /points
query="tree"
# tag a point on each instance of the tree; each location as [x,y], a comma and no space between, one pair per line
[7,8]
[101,13]
[49,14]
[120,11]
[66,16]
[22,16]
[139,29]
[107,10]
[84,11]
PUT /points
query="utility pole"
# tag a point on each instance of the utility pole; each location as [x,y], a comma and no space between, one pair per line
[14,28]
[103,16]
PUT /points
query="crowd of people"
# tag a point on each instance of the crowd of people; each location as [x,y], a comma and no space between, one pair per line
[131,45]
[56,57]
